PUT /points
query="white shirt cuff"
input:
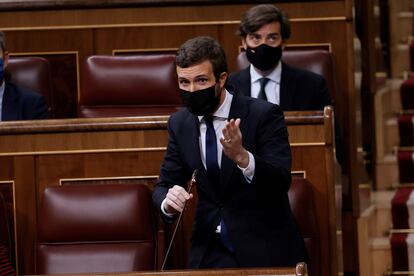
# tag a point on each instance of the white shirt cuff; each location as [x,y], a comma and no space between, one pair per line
[163,209]
[248,172]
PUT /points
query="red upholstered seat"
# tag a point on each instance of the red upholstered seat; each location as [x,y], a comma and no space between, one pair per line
[406,166]
[412,56]
[407,94]
[96,228]
[405,128]
[399,252]
[113,86]
[314,60]
[32,73]
[399,208]
[6,250]
[302,203]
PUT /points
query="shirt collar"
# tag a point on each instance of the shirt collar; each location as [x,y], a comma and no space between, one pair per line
[223,111]
[275,75]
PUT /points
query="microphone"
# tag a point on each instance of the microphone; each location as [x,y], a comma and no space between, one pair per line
[193,181]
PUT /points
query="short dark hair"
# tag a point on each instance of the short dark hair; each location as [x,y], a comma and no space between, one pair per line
[199,49]
[3,41]
[260,15]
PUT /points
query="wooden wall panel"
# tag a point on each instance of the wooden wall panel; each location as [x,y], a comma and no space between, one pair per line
[7,168]
[26,196]
[309,159]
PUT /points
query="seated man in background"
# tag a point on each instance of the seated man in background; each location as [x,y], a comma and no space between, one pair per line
[240,149]
[264,30]
[17,103]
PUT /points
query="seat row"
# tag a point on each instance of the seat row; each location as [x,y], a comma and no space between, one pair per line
[112,228]
[117,86]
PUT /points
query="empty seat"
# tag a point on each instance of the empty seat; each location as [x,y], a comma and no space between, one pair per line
[34,74]
[406,130]
[406,166]
[400,252]
[407,94]
[6,249]
[113,86]
[302,203]
[96,228]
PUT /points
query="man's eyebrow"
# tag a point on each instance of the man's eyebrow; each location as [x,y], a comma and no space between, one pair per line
[196,77]
[201,76]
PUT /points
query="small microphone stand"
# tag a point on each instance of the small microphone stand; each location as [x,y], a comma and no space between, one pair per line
[193,181]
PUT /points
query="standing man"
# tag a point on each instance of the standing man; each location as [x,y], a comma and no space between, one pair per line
[240,149]
[17,103]
[264,30]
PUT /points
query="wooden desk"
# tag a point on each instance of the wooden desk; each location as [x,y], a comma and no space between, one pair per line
[36,154]
[299,270]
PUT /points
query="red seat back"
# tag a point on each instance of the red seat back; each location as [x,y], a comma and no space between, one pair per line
[113,86]
[96,228]
[302,203]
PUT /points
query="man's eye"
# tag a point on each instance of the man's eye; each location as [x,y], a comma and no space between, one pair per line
[273,38]
[202,80]
[254,37]
[183,82]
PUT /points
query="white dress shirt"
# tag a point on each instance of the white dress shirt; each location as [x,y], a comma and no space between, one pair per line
[219,122]
[272,87]
[2,87]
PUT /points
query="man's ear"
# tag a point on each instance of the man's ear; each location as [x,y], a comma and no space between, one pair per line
[244,44]
[283,44]
[5,59]
[223,79]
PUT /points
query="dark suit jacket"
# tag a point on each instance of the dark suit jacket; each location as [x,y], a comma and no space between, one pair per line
[257,214]
[299,89]
[22,104]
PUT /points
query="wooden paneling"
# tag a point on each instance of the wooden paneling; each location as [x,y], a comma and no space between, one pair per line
[299,270]
[102,30]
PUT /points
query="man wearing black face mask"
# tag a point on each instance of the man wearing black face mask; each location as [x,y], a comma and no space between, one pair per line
[264,30]
[239,147]
[17,103]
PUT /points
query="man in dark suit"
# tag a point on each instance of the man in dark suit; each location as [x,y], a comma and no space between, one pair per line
[264,30]
[17,103]
[239,147]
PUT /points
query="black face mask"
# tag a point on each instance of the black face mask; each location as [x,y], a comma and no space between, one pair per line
[201,102]
[264,57]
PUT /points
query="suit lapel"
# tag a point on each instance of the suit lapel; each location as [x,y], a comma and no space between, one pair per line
[10,110]
[192,131]
[287,87]
[244,82]
[238,109]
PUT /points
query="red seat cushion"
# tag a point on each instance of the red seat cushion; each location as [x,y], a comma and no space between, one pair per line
[405,128]
[407,94]
[406,166]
